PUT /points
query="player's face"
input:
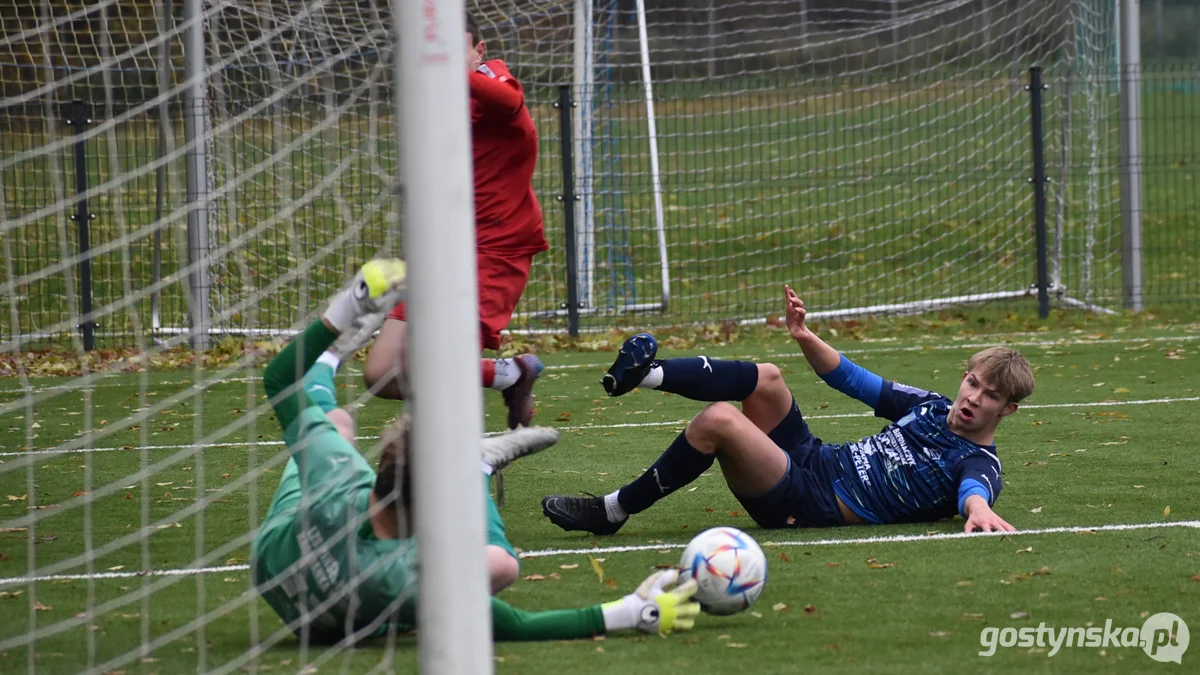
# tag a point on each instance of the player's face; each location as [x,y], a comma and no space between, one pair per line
[979,406]
[474,55]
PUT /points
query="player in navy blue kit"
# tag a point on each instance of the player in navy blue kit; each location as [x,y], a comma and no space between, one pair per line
[936,458]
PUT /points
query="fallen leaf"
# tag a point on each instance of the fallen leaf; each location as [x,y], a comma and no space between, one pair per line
[41,608]
[568,567]
[114,568]
[810,609]
[1121,390]
[784,557]
[597,568]
[1028,549]
[780,607]
[734,514]
[1166,511]
[1019,615]
[1196,577]
[833,564]
[939,633]
[961,584]
[610,583]
[736,645]
[535,577]
[1139,487]
[880,566]
[1044,572]
[973,617]
[78,493]
[1037,509]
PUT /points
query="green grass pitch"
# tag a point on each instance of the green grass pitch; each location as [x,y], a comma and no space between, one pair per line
[1106,440]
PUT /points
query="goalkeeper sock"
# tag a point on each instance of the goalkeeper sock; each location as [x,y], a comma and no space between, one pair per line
[703,379]
[679,465]
[499,374]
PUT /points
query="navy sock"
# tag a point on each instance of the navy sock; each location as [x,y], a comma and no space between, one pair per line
[703,379]
[679,465]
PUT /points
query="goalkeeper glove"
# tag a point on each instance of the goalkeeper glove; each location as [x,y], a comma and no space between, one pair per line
[652,608]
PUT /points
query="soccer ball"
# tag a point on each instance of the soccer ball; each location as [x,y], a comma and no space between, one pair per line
[729,567]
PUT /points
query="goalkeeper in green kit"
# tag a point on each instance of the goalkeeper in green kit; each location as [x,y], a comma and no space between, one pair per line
[335,557]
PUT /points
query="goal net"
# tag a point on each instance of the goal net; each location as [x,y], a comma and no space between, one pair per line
[875,154]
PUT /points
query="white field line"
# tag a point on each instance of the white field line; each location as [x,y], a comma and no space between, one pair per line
[552,552]
[584,427]
[979,344]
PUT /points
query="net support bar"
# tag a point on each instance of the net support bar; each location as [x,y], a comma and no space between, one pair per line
[584,80]
[655,176]
[195,130]
[1131,155]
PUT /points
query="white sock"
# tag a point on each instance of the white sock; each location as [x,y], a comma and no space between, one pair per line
[342,311]
[507,374]
[653,379]
[330,359]
[613,508]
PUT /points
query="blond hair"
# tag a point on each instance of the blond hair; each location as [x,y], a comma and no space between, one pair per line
[1006,370]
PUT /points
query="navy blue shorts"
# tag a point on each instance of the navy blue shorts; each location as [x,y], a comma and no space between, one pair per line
[804,496]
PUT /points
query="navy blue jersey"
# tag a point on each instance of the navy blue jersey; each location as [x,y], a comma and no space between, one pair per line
[915,469]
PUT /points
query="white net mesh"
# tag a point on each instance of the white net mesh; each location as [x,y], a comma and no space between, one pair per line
[872,152]
[875,153]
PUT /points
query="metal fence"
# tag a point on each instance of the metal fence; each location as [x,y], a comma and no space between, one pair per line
[873,191]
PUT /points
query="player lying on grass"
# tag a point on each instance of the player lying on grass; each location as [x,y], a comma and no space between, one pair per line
[935,459]
[335,557]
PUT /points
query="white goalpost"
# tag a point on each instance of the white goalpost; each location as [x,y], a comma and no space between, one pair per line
[443,318]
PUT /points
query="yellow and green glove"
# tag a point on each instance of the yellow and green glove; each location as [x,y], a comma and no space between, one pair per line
[652,608]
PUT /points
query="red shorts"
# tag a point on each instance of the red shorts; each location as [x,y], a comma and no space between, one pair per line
[502,280]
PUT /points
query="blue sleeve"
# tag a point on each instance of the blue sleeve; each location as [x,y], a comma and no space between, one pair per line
[968,488]
[979,475]
[855,381]
[896,400]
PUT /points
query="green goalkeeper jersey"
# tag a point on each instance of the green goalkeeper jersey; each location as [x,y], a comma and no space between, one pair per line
[316,559]
[325,565]
[317,562]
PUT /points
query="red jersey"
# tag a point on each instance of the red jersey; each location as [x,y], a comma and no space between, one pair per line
[504,145]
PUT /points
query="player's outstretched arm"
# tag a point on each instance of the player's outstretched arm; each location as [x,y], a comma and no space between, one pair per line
[837,371]
[981,518]
[653,608]
[351,318]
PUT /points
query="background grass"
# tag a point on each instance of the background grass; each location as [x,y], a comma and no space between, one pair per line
[875,189]
[824,607]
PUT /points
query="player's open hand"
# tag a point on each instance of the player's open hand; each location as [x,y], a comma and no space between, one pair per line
[986,520]
[794,313]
